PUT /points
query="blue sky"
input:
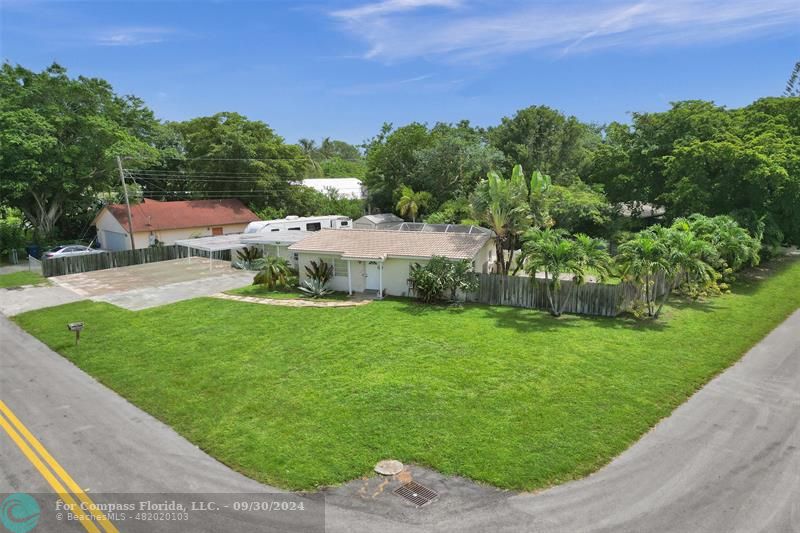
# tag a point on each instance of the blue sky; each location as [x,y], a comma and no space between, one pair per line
[340,69]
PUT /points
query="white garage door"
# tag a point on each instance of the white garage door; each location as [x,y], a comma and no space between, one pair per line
[111,240]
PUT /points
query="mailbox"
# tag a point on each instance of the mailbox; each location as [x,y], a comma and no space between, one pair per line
[77,327]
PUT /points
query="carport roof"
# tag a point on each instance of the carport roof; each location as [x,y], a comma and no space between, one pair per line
[218,243]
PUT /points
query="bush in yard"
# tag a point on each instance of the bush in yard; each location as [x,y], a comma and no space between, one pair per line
[734,248]
[319,273]
[247,257]
[442,276]
[314,288]
[273,272]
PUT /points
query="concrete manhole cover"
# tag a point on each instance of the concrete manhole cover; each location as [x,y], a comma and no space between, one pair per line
[389,467]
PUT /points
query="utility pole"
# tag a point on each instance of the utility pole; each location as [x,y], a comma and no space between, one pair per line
[127,201]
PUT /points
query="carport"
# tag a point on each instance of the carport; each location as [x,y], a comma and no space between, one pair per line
[275,242]
[213,246]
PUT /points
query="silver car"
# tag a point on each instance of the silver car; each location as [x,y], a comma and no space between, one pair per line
[69,250]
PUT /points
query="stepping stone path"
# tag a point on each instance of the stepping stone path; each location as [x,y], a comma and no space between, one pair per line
[288,303]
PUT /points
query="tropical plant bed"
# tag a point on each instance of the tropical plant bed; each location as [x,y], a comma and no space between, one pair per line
[260,291]
[300,397]
[18,279]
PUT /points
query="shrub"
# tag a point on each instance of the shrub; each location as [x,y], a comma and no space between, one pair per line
[273,272]
[442,276]
[314,288]
[246,258]
[319,271]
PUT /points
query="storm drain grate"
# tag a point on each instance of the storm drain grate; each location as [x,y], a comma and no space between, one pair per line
[416,493]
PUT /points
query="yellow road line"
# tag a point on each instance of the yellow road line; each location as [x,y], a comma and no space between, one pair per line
[61,492]
[100,518]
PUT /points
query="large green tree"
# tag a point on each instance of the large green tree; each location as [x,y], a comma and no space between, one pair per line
[58,140]
[447,160]
[226,155]
[701,158]
[542,138]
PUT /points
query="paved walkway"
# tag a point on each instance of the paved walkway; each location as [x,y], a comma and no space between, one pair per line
[290,302]
[16,301]
[726,460]
[10,269]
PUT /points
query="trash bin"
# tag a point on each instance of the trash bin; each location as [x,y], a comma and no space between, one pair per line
[33,250]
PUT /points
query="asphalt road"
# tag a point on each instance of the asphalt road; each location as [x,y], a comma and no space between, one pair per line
[727,460]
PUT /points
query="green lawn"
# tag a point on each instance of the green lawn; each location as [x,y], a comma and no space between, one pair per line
[303,397]
[24,277]
[261,291]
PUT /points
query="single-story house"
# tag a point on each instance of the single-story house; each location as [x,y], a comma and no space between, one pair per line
[346,187]
[378,221]
[167,222]
[381,261]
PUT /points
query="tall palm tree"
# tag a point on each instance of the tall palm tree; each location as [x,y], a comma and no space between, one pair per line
[502,204]
[412,202]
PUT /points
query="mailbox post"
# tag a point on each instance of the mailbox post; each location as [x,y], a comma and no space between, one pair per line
[77,327]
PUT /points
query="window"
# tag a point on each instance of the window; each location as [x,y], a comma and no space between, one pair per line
[294,229]
[314,226]
[216,231]
[340,268]
[344,223]
[275,229]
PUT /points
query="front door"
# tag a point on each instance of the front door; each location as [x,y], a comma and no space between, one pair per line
[373,277]
[216,231]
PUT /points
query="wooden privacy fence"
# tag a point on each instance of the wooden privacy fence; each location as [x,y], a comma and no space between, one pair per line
[87,263]
[598,299]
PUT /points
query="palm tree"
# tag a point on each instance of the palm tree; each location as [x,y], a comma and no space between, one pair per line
[554,253]
[672,254]
[412,202]
[641,260]
[272,272]
[502,204]
[686,256]
[308,146]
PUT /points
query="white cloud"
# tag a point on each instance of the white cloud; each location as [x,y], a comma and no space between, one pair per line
[402,29]
[425,83]
[133,36]
[387,7]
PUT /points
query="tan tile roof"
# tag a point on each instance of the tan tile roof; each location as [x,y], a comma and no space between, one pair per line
[380,244]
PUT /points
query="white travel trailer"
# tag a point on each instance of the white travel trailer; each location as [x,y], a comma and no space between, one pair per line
[295,223]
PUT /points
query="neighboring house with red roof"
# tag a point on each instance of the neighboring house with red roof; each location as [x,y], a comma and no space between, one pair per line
[166,222]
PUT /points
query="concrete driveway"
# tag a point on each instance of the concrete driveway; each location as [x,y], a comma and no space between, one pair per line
[728,460]
[153,284]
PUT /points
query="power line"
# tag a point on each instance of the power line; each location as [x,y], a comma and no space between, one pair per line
[225,158]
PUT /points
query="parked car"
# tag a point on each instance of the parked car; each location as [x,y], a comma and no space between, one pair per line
[69,250]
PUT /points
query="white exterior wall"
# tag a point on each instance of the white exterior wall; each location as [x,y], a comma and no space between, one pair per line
[395,270]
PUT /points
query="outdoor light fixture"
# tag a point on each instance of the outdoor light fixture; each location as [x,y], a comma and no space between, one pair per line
[77,327]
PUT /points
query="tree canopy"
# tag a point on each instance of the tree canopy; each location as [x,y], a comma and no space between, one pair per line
[58,140]
[702,158]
